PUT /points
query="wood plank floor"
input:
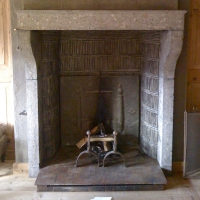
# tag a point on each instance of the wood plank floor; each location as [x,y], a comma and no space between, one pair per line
[20,187]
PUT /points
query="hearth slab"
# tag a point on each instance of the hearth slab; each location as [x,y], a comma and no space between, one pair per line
[64,188]
[141,173]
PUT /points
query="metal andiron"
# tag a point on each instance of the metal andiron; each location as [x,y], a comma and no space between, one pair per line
[101,138]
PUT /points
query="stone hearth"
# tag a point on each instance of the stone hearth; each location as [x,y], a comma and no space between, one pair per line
[170,25]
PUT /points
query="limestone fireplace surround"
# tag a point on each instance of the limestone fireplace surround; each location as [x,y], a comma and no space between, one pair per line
[169,23]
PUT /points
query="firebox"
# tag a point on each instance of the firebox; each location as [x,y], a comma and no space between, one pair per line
[92,77]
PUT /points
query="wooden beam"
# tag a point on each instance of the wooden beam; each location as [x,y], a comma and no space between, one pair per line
[1,35]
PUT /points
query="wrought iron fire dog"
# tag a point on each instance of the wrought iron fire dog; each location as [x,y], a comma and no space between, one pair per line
[99,138]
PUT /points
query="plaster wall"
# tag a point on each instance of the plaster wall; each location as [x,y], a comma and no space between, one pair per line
[100,5]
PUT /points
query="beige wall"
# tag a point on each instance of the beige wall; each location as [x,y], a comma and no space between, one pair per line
[101,4]
[6,100]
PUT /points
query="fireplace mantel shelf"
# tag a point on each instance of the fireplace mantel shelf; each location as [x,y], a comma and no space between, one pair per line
[100,20]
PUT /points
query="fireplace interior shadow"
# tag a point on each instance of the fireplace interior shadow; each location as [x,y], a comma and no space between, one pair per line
[91,77]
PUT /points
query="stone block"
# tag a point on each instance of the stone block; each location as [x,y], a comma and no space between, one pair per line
[33,127]
[171,46]
[165,122]
[99,20]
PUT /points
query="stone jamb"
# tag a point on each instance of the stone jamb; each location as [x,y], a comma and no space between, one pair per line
[32,104]
[171,46]
[100,20]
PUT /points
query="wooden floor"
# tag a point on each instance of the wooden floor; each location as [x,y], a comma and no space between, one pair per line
[20,187]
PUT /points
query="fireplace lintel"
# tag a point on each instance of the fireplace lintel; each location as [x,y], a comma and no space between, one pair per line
[100,20]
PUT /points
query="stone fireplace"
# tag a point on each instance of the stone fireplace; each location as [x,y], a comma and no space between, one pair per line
[152,42]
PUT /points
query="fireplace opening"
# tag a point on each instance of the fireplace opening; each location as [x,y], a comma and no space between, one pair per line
[91,77]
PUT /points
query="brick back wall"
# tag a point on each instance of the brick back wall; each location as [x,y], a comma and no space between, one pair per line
[48,68]
[149,92]
[50,93]
[92,51]
[96,58]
